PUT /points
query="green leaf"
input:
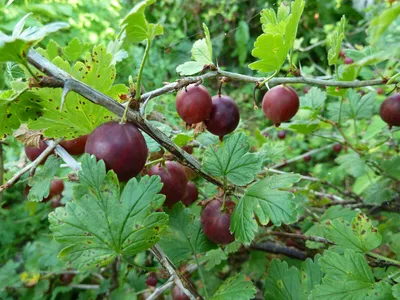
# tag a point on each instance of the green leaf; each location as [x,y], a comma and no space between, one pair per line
[15,47]
[333,212]
[236,287]
[232,161]
[8,274]
[392,166]
[15,110]
[352,164]
[382,22]
[201,54]
[41,181]
[382,291]
[136,27]
[335,42]
[314,99]
[242,37]
[100,223]
[360,235]
[266,201]
[272,47]
[347,276]
[310,274]
[396,291]
[283,283]
[75,50]
[184,237]
[182,139]
[78,116]
[304,128]
[213,258]
[272,151]
[379,192]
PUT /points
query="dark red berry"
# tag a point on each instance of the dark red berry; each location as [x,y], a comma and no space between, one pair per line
[280,104]
[178,294]
[33,152]
[379,91]
[188,149]
[306,89]
[224,117]
[216,222]
[56,188]
[307,158]
[348,61]
[265,134]
[337,148]
[66,278]
[75,146]
[281,134]
[174,179]
[151,280]
[342,53]
[193,104]
[121,146]
[361,92]
[191,194]
[390,110]
[56,202]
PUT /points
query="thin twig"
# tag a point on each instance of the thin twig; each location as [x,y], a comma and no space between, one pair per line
[302,156]
[317,239]
[30,166]
[158,291]
[85,286]
[279,249]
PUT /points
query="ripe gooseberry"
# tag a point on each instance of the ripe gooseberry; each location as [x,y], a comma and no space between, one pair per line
[75,146]
[121,146]
[66,278]
[390,110]
[56,188]
[151,280]
[224,117]
[337,148]
[348,61]
[280,104]
[33,152]
[379,91]
[307,158]
[191,194]
[193,104]
[281,134]
[216,222]
[174,179]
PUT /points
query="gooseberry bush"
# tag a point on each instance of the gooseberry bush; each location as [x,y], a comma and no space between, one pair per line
[264,181]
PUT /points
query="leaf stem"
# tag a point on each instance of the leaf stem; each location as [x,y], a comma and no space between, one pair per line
[139,80]
[154,161]
[31,72]
[268,79]
[393,262]
[149,269]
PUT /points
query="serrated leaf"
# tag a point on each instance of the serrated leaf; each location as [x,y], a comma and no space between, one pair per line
[335,41]
[347,276]
[15,47]
[272,151]
[333,212]
[360,235]
[78,116]
[182,139]
[392,166]
[236,287]
[136,26]
[382,22]
[16,109]
[265,200]
[8,274]
[310,274]
[231,160]
[74,50]
[114,48]
[41,181]
[242,37]
[283,283]
[304,128]
[352,164]
[184,237]
[101,223]
[201,54]
[379,192]
[396,291]
[314,99]
[272,47]
[213,258]
[381,291]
